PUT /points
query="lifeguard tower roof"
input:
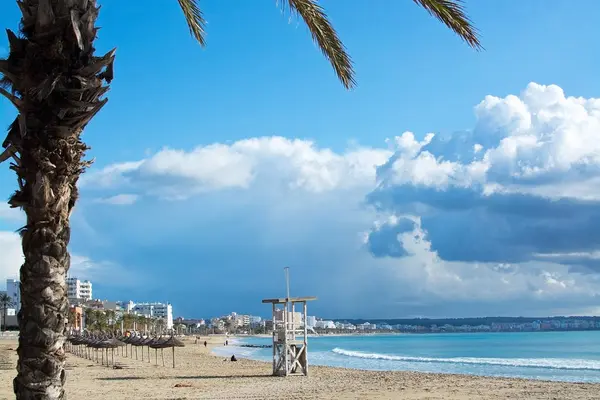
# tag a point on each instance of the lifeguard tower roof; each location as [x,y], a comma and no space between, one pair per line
[283,300]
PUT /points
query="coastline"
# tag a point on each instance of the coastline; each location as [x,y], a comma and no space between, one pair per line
[201,375]
[368,355]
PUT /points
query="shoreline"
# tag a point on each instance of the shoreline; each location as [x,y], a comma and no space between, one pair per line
[202,375]
[244,350]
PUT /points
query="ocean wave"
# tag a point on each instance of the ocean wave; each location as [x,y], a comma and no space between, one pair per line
[243,352]
[547,363]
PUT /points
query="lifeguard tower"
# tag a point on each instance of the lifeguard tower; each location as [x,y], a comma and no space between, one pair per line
[290,333]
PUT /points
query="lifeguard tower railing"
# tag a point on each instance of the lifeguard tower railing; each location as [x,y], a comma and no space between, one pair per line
[290,336]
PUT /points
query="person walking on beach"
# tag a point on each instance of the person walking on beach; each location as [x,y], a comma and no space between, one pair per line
[205,343]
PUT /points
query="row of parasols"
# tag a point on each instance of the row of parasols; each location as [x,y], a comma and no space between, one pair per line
[96,347]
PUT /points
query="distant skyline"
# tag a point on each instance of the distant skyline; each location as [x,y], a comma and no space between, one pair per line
[215,168]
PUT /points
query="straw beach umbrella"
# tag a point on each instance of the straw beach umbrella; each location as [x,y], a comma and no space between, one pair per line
[93,344]
[112,344]
[136,342]
[146,342]
[174,342]
[156,344]
[164,344]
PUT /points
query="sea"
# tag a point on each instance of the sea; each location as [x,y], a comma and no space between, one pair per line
[556,356]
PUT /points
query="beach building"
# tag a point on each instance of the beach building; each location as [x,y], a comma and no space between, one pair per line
[242,320]
[77,318]
[126,306]
[292,316]
[325,325]
[345,326]
[79,289]
[367,326]
[256,321]
[311,321]
[13,289]
[156,310]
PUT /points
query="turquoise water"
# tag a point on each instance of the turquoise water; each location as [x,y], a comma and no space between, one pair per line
[562,356]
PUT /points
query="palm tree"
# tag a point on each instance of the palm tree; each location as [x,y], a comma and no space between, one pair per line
[140,322]
[110,319]
[128,320]
[71,318]
[90,318]
[160,325]
[6,302]
[99,320]
[57,85]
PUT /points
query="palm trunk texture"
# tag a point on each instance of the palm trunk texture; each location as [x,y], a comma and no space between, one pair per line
[53,79]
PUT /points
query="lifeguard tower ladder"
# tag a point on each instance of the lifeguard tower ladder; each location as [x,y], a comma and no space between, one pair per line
[290,334]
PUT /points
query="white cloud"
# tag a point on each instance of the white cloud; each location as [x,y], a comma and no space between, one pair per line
[475,223]
[295,164]
[455,281]
[11,256]
[105,272]
[518,143]
[119,199]
[530,188]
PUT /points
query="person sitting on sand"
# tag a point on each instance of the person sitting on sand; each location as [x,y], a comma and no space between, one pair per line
[233,358]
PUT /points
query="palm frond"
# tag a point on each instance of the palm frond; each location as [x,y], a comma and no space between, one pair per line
[452,14]
[326,38]
[194,18]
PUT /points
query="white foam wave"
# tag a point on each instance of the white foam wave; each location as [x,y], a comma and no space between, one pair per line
[228,351]
[549,363]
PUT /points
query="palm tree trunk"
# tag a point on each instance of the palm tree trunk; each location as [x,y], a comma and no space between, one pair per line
[56,86]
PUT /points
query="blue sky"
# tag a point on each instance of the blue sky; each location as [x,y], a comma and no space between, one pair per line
[217,167]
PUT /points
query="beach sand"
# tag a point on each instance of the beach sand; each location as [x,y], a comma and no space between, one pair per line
[200,375]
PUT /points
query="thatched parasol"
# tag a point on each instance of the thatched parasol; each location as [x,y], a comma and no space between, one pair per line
[146,342]
[112,344]
[169,342]
[155,344]
[94,343]
[137,342]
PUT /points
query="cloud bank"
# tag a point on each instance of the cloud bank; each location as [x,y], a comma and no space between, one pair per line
[265,161]
[497,220]
[523,185]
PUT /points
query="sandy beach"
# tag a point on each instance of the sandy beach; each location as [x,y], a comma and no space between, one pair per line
[201,375]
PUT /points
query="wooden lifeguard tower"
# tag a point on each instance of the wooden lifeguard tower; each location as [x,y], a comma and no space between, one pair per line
[290,334]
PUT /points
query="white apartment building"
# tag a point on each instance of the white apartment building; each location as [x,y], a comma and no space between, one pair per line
[126,306]
[311,321]
[13,289]
[325,325]
[242,320]
[296,317]
[78,289]
[156,310]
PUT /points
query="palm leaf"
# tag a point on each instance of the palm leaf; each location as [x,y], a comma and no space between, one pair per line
[326,38]
[452,14]
[194,18]
[449,12]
